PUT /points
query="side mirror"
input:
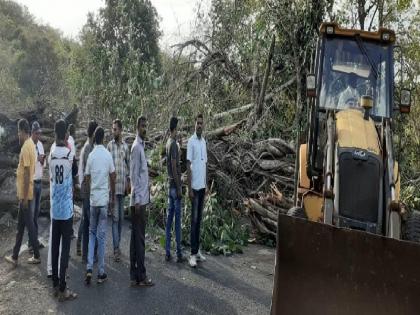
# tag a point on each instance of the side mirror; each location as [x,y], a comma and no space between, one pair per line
[405,101]
[310,85]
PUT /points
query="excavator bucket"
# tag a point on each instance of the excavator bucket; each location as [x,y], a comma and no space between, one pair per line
[322,269]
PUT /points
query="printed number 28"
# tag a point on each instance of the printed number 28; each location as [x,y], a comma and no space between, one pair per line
[59,174]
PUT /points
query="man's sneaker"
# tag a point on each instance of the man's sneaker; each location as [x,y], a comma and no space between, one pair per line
[88,278]
[11,260]
[34,261]
[193,261]
[200,257]
[102,278]
[168,258]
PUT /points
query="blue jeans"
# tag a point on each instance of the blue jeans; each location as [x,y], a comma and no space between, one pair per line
[174,208]
[97,232]
[117,219]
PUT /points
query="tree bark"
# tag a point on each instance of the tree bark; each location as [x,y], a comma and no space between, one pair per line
[261,98]
[233,111]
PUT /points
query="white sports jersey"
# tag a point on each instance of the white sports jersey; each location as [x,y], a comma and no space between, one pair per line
[60,166]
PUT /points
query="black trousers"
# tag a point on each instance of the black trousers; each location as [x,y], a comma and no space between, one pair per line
[61,230]
[196,216]
[137,244]
[25,218]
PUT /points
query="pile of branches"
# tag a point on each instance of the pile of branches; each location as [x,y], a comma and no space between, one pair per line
[254,176]
[264,210]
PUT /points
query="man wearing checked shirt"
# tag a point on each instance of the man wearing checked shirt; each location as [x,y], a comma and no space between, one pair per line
[121,157]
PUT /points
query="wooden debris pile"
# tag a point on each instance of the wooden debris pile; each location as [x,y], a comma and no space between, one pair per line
[264,210]
[254,176]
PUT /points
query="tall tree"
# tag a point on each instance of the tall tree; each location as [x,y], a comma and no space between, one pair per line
[121,44]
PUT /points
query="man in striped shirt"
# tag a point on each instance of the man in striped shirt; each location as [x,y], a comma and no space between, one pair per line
[121,158]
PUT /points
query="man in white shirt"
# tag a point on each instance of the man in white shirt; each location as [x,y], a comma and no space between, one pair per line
[197,186]
[60,167]
[39,168]
[99,172]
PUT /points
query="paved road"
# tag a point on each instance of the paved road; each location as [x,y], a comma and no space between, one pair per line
[240,284]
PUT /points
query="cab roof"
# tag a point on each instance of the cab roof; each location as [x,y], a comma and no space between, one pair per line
[375,36]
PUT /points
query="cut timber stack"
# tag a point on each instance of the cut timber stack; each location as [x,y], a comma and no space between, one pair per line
[264,210]
[254,172]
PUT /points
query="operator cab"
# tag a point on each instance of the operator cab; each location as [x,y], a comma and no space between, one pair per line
[353,67]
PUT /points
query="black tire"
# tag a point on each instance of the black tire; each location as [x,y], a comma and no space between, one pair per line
[297,212]
[411,230]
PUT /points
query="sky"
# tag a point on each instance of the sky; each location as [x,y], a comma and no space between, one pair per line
[70,15]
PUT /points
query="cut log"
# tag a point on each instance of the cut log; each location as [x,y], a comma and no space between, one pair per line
[280,144]
[234,111]
[224,131]
[274,165]
[261,227]
[263,212]
[271,223]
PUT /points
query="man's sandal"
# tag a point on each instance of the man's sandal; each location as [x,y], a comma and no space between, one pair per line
[146,283]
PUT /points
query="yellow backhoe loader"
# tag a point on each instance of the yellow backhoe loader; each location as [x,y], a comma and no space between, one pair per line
[348,246]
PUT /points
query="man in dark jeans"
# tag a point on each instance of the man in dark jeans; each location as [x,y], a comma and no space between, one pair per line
[84,189]
[39,167]
[175,192]
[140,198]
[25,189]
[197,186]
[61,179]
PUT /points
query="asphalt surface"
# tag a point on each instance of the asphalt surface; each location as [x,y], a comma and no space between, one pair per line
[239,284]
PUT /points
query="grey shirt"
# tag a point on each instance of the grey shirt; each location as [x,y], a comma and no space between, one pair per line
[172,153]
[139,174]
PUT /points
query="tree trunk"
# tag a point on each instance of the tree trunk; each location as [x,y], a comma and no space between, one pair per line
[260,103]
[361,13]
[380,13]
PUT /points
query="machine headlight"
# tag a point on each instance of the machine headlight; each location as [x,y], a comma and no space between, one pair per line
[330,30]
[386,36]
[310,85]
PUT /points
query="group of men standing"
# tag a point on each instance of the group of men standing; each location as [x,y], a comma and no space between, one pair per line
[105,176]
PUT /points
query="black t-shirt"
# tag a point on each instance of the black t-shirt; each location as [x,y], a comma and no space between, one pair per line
[172,153]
